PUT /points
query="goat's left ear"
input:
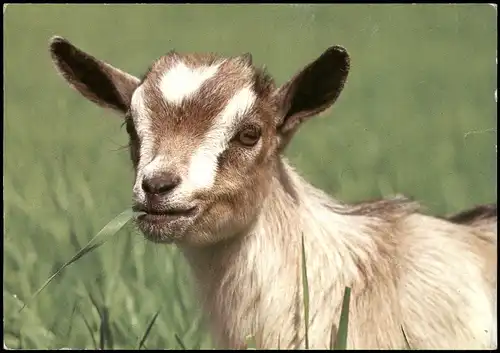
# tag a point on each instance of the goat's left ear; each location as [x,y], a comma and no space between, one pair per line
[312,90]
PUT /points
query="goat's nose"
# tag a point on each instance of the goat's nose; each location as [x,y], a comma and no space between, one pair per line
[160,184]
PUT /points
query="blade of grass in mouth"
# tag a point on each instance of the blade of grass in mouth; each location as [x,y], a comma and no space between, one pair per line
[99,239]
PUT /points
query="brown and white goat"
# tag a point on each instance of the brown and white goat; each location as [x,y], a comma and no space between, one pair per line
[206,140]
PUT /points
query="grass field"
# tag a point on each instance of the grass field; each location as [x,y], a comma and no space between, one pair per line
[417,117]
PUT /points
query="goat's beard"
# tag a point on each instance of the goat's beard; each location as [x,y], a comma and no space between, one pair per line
[165,232]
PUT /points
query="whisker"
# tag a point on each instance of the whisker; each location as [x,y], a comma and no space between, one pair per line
[121,148]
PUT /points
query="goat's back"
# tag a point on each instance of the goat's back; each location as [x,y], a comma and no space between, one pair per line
[482,217]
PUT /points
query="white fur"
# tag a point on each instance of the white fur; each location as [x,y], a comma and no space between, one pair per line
[181,81]
[203,165]
[142,122]
[159,163]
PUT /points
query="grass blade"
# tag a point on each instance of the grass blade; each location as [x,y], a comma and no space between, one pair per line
[305,291]
[407,344]
[148,330]
[109,230]
[89,328]
[341,339]
[105,332]
[179,342]
[251,344]
[70,326]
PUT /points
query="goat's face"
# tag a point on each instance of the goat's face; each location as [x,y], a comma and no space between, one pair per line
[205,132]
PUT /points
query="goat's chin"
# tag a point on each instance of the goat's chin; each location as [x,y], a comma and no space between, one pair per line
[164,231]
[183,231]
[211,224]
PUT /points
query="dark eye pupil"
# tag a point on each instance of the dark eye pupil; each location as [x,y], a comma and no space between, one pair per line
[249,136]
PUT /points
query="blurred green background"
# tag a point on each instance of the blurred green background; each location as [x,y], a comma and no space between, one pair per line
[417,117]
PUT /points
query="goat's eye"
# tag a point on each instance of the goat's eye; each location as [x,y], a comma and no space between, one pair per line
[249,136]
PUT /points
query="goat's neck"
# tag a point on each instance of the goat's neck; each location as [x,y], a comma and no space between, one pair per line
[293,209]
[243,279]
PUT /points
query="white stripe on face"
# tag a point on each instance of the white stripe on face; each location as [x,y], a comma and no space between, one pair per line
[181,81]
[142,124]
[203,164]
[143,127]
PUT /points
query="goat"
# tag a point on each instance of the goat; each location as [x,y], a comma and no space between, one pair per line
[206,140]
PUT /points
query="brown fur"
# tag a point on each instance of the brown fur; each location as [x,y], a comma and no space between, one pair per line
[435,278]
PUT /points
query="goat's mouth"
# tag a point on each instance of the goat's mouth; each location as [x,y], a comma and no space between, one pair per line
[165,216]
[165,226]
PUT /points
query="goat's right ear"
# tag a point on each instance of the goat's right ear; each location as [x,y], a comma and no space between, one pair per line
[96,80]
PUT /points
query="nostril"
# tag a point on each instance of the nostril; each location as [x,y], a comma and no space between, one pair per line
[165,187]
[160,184]
[148,187]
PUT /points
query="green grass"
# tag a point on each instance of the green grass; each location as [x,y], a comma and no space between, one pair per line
[422,80]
